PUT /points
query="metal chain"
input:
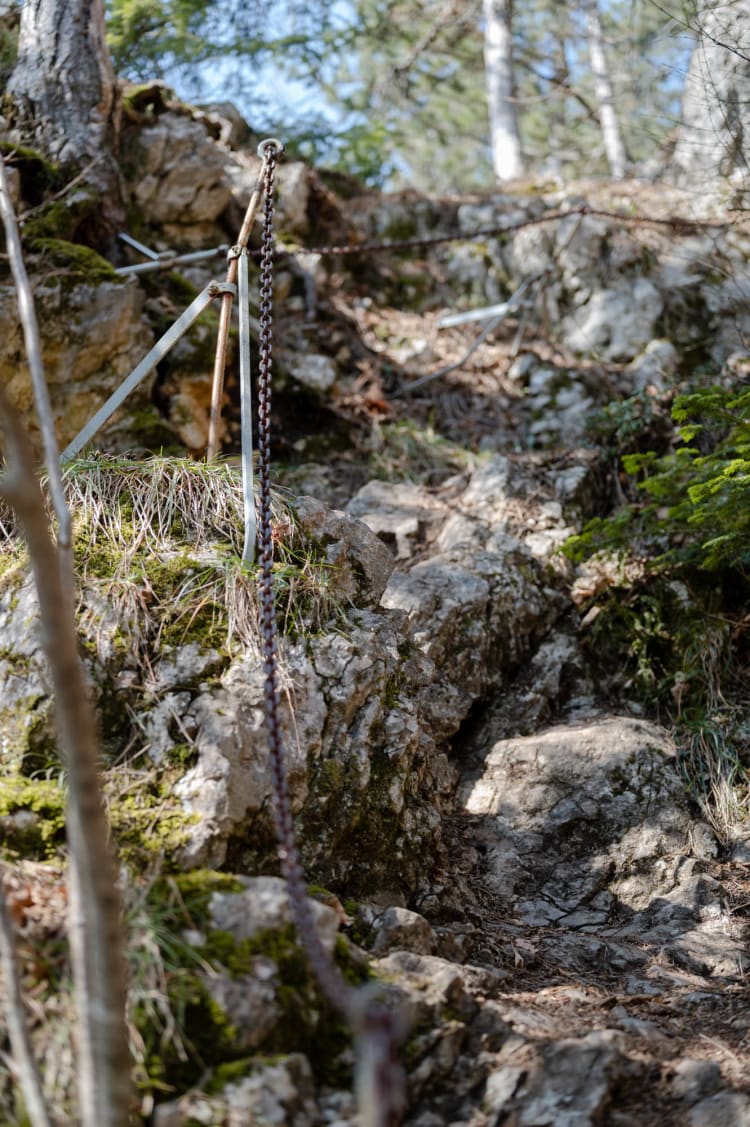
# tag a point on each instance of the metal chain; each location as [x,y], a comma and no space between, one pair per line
[377,1029]
[676,223]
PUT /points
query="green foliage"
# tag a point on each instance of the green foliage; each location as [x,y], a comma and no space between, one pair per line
[398,85]
[694,508]
[675,637]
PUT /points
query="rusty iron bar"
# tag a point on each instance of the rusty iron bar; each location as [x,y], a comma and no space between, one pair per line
[265,148]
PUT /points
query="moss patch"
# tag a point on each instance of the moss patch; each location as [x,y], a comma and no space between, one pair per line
[32,817]
[80,263]
[38,175]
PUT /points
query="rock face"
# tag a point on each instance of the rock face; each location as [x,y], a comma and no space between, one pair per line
[181,183]
[519,867]
[93,335]
[587,827]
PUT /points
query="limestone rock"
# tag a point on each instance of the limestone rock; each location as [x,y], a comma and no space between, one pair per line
[588,827]
[360,563]
[278,1093]
[653,368]
[402,514]
[180,181]
[618,322]
[92,336]
[398,928]
[263,904]
[318,373]
[27,729]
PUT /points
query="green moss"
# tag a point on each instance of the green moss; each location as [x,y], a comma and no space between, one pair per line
[45,798]
[38,175]
[183,899]
[80,263]
[307,1023]
[148,823]
[153,432]
[68,218]
[207,1035]
[230,1073]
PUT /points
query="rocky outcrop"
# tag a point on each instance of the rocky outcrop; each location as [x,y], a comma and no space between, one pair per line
[510,857]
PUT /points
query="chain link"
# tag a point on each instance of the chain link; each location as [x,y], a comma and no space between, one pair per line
[377,1029]
[326,972]
[676,223]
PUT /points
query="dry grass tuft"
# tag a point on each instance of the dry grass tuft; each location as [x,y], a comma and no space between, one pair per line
[158,545]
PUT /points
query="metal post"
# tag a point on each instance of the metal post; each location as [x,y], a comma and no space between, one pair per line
[246,410]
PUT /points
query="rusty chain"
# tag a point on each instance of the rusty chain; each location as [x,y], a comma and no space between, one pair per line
[676,223]
[377,1030]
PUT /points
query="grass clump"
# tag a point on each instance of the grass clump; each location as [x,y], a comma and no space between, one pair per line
[162,539]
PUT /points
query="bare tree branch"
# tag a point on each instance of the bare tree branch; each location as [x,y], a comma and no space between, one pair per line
[34,355]
[95,920]
[23,1056]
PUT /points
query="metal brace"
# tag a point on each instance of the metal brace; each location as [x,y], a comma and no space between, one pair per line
[147,364]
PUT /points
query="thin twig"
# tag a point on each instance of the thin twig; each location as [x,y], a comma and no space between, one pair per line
[95,916]
[32,341]
[23,1056]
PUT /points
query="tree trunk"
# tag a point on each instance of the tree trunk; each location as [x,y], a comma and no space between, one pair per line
[63,83]
[714,139]
[611,135]
[498,61]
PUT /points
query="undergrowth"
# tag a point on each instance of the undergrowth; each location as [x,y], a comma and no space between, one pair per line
[161,540]
[675,634]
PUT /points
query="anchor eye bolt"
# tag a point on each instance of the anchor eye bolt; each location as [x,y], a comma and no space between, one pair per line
[266,147]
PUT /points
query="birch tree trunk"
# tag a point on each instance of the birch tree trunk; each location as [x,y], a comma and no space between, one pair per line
[63,84]
[611,135]
[507,159]
[714,139]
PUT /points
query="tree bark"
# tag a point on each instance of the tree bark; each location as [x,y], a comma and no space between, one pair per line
[507,159]
[63,83]
[714,140]
[611,135]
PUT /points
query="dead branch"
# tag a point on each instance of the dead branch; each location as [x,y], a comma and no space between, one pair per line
[23,1056]
[95,920]
[32,342]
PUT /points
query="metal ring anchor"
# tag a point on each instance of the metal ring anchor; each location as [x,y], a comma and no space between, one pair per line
[270,143]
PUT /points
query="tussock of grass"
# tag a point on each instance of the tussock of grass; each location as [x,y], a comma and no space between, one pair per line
[158,541]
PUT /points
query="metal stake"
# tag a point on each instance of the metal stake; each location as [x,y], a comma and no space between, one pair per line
[217,388]
[246,410]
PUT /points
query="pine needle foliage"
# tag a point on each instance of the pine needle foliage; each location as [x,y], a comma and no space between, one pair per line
[693,508]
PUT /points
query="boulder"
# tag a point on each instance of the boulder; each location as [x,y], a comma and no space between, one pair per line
[179,180]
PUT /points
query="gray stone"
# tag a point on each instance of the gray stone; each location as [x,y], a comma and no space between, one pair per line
[274,1094]
[403,515]
[618,322]
[181,180]
[248,1001]
[654,368]
[694,1079]
[318,373]
[263,904]
[398,928]
[361,563]
[726,1109]
[92,336]
[587,827]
